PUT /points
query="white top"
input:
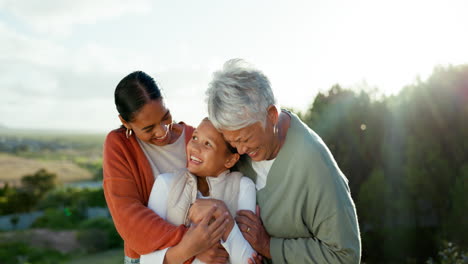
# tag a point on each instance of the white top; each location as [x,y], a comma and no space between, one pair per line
[167,158]
[262,168]
[238,248]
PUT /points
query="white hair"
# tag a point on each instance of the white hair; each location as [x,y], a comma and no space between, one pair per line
[239,95]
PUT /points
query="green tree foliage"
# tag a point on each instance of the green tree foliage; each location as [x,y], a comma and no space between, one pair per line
[20,253]
[25,198]
[99,234]
[406,159]
[39,183]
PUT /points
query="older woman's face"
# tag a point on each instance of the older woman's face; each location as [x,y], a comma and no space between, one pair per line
[253,140]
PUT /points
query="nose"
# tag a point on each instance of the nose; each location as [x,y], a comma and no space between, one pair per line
[161,130]
[241,149]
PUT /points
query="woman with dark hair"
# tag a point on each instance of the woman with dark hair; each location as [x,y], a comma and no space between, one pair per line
[148,144]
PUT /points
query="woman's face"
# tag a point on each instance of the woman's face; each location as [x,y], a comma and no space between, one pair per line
[253,140]
[207,152]
[152,123]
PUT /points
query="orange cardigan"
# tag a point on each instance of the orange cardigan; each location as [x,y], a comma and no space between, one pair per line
[128,180]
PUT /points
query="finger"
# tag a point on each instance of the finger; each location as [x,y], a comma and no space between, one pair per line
[221,253]
[206,219]
[217,223]
[249,236]
[257,257]
[257,210]
[244,221]
[217,234]
[249,214]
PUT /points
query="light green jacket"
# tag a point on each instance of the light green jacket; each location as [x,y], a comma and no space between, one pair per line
[306,205]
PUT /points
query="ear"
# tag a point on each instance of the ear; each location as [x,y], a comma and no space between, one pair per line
[125,123]
[272,113]
[232,160]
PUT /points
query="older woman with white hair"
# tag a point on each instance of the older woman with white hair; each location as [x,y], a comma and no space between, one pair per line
[307,213]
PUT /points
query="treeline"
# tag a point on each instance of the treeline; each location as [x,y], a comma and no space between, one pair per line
[406,158]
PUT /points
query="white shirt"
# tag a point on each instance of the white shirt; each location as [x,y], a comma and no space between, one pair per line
[167,158]
[262,168]
[238,248]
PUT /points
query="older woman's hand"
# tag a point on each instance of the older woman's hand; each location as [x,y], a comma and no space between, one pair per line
[201,206]
[254,232]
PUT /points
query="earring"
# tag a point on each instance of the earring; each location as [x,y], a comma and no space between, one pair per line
[275,129]
[128,133]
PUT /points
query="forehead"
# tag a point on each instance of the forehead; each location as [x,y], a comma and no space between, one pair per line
[207,129]
[242,133]
[151,112]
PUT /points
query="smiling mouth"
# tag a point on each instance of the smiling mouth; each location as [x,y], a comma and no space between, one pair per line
[163,137]
[195,159]
[253,153]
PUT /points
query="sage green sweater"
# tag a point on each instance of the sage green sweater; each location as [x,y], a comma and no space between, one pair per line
[306,205]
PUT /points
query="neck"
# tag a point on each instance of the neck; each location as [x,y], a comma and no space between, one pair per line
[202,185]
[280,136]
[175,131]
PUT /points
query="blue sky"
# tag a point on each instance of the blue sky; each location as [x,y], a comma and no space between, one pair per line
[61,60]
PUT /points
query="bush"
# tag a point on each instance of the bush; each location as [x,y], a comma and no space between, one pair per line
[58,219]
[450,254]
[93,240]
[99,234]
[20,253]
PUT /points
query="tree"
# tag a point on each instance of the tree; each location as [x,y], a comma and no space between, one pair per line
[39,183]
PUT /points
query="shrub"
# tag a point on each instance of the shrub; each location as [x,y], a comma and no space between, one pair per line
[20,253]
[58,219]
[99,234]
[450,254]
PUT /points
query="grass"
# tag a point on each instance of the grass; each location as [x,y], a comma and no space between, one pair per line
[12,168]
[71,156]
[115,256]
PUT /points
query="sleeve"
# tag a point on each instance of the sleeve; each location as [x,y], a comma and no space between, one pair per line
[158,203]
[142,230]
[328,213]
[337,244]
[238,248]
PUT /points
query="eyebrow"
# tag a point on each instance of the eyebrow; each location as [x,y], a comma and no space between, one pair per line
[151,126]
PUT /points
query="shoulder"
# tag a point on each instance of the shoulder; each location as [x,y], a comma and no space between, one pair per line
[115,135]
[246,182]
[188,131]
[165,178]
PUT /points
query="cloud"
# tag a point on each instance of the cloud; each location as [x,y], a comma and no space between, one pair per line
[58,16]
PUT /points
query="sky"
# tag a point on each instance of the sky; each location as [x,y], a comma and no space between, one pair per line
[60,60]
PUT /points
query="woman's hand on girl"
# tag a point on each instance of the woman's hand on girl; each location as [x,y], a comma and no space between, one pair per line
[198,238]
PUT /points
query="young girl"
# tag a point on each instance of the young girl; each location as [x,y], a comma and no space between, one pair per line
[207,175]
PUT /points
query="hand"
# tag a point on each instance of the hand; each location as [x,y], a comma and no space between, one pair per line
[200,207]
[198,238]
[254,232]
[214,255]
[256,258]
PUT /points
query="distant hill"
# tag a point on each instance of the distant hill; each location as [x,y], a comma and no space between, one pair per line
[12,168]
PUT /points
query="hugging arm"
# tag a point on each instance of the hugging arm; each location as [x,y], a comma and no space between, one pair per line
[141,229]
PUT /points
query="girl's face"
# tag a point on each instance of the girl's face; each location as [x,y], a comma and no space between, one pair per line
[152,123]
[207,152]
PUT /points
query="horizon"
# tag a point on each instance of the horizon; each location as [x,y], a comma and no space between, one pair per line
[61,61]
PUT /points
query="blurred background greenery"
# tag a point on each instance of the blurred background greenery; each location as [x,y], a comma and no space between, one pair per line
[405,156]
